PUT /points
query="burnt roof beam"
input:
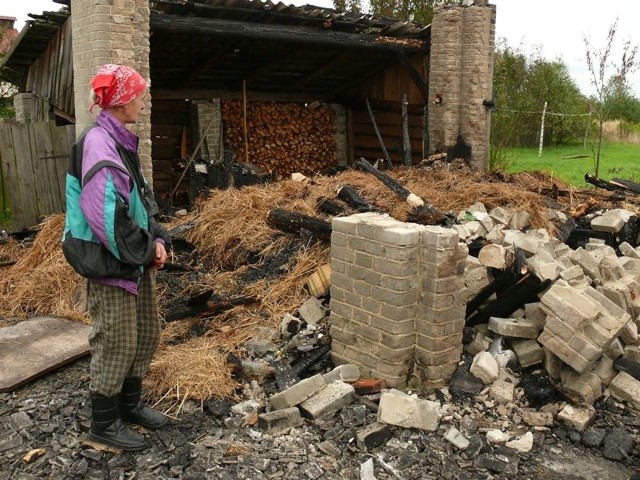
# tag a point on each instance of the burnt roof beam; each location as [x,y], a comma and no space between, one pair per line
[176,24]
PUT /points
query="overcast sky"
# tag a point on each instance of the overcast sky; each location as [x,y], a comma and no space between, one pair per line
[557,27]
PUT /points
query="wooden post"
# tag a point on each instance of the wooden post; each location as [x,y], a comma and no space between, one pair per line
[375,128]
[244,120]
[406,142]
[544,112]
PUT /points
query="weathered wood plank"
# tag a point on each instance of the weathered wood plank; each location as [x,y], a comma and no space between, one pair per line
[39,171]
[9,174]
[46,161]
[27,203]
[39,345]
[61,152]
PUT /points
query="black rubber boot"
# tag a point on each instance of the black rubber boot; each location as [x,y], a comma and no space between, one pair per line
[108,428]
[132,410]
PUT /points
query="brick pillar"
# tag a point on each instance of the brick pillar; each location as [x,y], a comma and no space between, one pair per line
[203,113]
[461,78]
[443,303]
[397,298]
[374,293]
[111,31]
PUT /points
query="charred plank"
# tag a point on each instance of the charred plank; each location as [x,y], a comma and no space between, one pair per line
[351,197]
[293,222]
[523,291]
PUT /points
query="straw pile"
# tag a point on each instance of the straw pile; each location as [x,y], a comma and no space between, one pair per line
[233,241]
[41,282]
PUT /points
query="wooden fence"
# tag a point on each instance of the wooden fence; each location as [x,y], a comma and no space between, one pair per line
[34,159]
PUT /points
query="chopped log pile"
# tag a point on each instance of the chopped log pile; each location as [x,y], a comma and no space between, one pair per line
[282,138]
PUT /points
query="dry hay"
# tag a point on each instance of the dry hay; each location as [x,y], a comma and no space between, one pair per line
[42,282]
[10,251]
[230,227]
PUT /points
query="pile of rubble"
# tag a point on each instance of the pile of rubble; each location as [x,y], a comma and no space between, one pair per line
[579,340]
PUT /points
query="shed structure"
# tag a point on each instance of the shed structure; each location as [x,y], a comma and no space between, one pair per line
[282,87]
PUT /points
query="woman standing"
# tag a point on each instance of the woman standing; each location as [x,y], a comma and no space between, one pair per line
[112,238]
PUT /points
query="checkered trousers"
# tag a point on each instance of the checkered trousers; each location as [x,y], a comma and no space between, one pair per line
[125,333]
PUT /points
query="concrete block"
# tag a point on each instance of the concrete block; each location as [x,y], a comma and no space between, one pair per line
[397,408]
[529,352]
[584,260]
[587,387]
[328,401]
[626,388]
[532,311]
[628,251]
[519,220]
[312,311]
[578,418]
[493,256]
[522,444]
[514,327]
[345,373]
[502,391]
[537,419]
[298,393]
[632,352]
[605,370]
[629,333]
[485,367]
[280,421]
[456,438]
[611,222]
[552,364]
[615,349]
[500,215]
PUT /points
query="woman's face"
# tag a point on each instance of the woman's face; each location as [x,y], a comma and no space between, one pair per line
[133,108]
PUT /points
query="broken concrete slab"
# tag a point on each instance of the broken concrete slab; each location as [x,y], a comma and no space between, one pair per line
[398,408]
[328,400]
[36,346]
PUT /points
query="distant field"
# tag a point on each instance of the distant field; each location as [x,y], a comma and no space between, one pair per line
[569,163]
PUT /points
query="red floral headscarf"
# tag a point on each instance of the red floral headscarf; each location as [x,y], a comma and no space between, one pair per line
[116,85]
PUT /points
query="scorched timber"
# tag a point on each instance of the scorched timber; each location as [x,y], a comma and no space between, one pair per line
[233,29]
[293,222]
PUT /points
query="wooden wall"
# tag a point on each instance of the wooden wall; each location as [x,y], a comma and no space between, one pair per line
[384,92]
[51,77]
[169,118]
[34,159]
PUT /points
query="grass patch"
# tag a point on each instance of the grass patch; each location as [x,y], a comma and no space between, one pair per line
[569,163]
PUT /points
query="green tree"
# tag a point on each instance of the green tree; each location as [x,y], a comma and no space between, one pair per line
[419,11]
[609,80]
[622,105]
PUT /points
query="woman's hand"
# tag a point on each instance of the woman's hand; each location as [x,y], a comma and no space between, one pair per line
[160,258]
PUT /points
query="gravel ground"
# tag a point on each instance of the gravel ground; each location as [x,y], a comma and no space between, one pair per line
[43,429]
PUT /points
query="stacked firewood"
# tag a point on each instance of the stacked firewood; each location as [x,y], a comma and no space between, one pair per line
[282,138]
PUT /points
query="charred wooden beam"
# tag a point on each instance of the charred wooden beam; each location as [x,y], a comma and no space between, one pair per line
[524,291]
[499,283]
[603,183]
[627,184]
[199,305]
[177,24]
[351,197]
[293,222]
[327,205]
[396,187]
